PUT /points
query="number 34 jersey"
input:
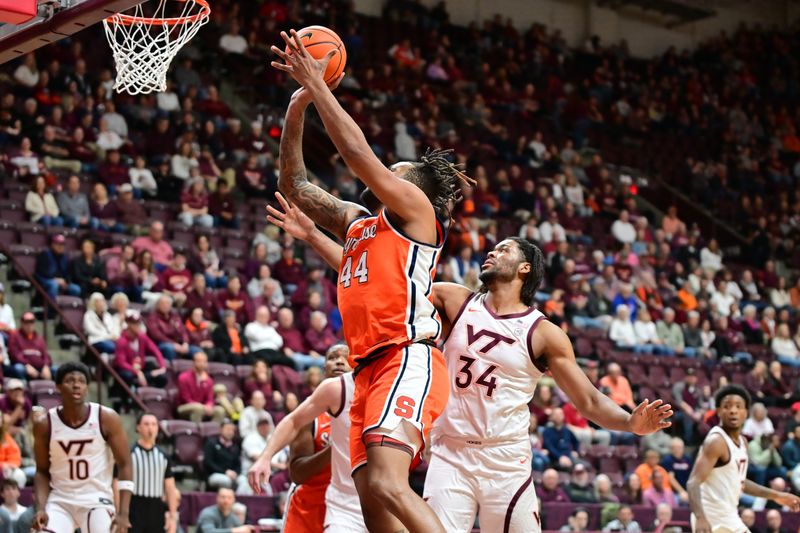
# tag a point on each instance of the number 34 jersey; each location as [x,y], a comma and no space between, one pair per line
[81,464]
[494,374]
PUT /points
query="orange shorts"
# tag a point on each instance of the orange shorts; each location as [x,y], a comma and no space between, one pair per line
[305,509]
[408,383]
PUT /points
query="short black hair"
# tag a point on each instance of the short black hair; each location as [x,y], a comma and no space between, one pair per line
[535,257]
[144,414]
[8,482]
[70,367]
[736,390]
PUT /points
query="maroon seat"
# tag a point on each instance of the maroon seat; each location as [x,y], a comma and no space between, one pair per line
[209,429]
[187,442]
[657,375]
[244,371]
[157,401]
[626,452]
[286,379]
[48,401]
[584,347]
[598,450]
[40,386]
[181,365]
[608,464]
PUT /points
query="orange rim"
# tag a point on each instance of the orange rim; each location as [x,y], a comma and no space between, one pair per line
[128,20]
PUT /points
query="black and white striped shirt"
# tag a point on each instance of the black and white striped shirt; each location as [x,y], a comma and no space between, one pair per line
[150,468]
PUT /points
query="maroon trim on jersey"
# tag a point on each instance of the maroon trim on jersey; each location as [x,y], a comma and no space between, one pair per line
[377,439]
[100,421]
[513,503]
[458,315]
[88,415]
[343,400]
[49,427]
[538,362]
[511,315]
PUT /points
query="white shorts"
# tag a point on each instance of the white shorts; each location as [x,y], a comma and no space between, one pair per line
[463,478]
[66,518]
[343,512]
[732,525]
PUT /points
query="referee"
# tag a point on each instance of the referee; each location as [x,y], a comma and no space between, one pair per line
[154,482]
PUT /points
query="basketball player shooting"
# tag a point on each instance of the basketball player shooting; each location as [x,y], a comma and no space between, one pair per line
[384,293]
[719,475]
[497,349]
[73,446]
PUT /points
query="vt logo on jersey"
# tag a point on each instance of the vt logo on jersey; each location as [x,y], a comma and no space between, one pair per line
[351,243]
[496,338]
[67,445]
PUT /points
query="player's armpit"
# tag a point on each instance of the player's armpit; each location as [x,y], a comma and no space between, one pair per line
[449,299]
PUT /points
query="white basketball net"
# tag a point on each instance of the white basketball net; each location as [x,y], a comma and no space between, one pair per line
[144,45]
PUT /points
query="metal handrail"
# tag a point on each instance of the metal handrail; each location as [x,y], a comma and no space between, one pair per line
[102,364]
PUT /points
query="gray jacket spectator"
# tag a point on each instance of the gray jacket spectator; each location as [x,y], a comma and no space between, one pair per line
[73,204]
[220,518]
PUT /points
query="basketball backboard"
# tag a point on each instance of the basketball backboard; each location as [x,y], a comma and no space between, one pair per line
[55,20]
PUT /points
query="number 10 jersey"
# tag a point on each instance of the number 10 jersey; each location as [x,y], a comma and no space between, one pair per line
[494,374]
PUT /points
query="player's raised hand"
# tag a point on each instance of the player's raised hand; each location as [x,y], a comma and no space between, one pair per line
[298,63]
[649,417]
[40,521]
[291,219]
[259,473]
[789,500]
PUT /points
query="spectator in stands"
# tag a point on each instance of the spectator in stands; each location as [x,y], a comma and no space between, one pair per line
[255,442]
[16,408]
[200,296]
[10,493]
[176,279]
[790,451]
[141,178]
[658,493]
[632,490]
[711,257]
[222,459]
[462,263]
[220,517]
[671,224]
[585,433]
[165,327]
[206,260]
[623,332]
[551,230]
[154,243]
[579,489]
[11,457]
[603,491]
[778,390]
[549,490]
[671,335]
[199,330]
[271,295]
[626,298]
[99,326]
[231,345]
[618,387]
[232,41]
[73,205]
[222,206]
[622,230]
[784,347]
[108,140]
[659,441]
[692,337]
[7,321]
[55,152]
[624,521]
[26,160]
[87,271]
[123,273]
[41,205]
[758,423]
[130,212]
[729,343]
[678,466]
[648,467]
[260,379]
[265,342]
[104,210]
[647,339]
[194,204]
[27,73]
[748,516]
[183,162]
[113,172]
[765,461]
[196,392]
[116,122]
[319,338]
[561,445]
[722,301]
[774,521]
[578,521]
[288,270]
[251,414]
[233,406]
[138,360]
[690,400]
[28,351]
[235,299]
[779,296]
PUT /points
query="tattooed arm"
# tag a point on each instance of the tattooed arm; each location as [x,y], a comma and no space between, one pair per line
[322,207]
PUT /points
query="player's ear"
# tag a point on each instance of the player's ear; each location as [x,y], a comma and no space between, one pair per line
[524,268]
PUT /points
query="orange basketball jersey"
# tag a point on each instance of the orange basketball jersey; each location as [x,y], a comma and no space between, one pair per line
[384,288]
[306,509]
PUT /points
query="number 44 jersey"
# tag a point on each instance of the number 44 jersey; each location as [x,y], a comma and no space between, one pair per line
[494,374]
[81,464]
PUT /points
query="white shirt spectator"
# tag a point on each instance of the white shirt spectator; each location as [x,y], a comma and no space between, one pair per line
[7,316]
[252,446]
[710,261]
[248,420]
[754,429]
[262,337]
[733,289]
[30,161]
[646,332]
[550,232]
[721,303]
[25,76]
[780,298]
[142,178]
[785,348]
[233,43]
[622,332]
[98,329]
[539,149]
[530,232]
[574,194]
[109,140]
[624,232]
[182,166]
[168,101]
[116,123]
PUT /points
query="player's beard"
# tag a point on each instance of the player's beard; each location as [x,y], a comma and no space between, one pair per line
[496,275]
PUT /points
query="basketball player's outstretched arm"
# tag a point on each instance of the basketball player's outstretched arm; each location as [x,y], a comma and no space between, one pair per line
[325,209]
[551,342]
[304,463]
[400,196]
[783,498]
[41,481]
[327,396]
[115,436]
[714,449]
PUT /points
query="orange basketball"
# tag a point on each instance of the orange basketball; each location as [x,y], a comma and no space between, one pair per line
[320,40]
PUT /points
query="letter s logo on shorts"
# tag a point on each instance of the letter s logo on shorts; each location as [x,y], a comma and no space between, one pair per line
[405,407]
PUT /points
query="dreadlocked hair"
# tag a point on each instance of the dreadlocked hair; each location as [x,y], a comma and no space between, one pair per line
[439,178]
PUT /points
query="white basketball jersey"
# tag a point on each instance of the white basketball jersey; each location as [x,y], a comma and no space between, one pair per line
[341,492]
[81,464]
[491,364]
[722,488]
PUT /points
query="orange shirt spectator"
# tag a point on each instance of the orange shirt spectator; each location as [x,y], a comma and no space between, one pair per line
[687,300]
[646,469]
[10,455]
[619,388]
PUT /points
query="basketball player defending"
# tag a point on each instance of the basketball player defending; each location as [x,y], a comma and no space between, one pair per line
[384,293]
[719,475]
[74,445]
[497,349]
[342,510]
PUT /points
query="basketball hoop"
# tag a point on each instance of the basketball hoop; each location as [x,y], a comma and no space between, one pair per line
[144,46]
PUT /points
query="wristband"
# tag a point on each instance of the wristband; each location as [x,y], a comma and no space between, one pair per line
[125,484]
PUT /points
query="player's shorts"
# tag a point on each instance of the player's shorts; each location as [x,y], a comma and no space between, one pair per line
[343,513]
[66,518]
[305,509]
[463,477]
[733,525]
[406,384]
